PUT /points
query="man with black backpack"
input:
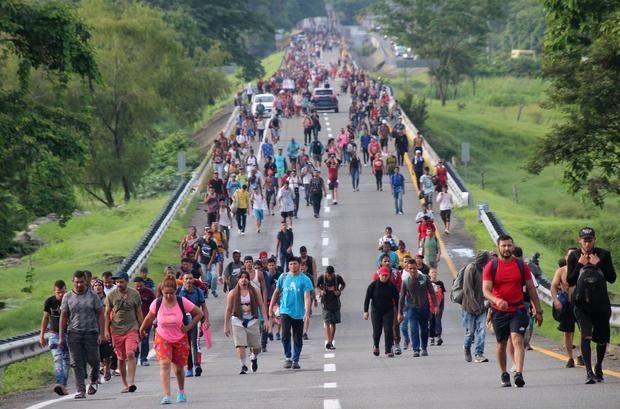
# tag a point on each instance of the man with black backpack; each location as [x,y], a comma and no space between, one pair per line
[589,269]
[503,281]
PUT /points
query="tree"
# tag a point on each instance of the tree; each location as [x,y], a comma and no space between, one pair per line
[41,142]
[582,60]
[452,31]
[146,78]
[348,10]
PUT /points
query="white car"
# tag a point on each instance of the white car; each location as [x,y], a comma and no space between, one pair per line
[263,104]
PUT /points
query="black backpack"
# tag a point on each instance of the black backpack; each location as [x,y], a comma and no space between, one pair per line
[494,261]
[186,319]
[316,147]
[456,292]
[591,290]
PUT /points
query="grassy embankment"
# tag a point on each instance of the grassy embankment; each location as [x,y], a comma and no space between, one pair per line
[542,217]
[96,242]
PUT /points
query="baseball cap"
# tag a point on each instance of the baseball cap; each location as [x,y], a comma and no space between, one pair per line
[262,254]
[586,232]
[384,271]
[236,251]
[120,276]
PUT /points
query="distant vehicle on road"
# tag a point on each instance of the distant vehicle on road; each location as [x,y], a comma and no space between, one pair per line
[324,99]
[263,104]
[399,50]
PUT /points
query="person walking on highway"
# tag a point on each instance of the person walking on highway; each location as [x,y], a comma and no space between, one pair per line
[589,268]
[444,198]
[418,167]
[416,302]
[50,323]
[82,329]
[384,296]
[242,199]
[430,248]
[563,298]
[474,309]
[427,187]
[377,170]
[330,287]
[397,185]
[147,296]
[242,311]
[196,296]
[333,164]
[284,245]
[286,202]
[123,316]
[503,281]
[435,328]
[173,323]
[293,296]
[355,169]
[317,192]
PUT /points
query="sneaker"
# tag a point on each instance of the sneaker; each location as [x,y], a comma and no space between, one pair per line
[424,352]
[60,390]
[254,364]
[416,354]
[519,381]
[432,341]
[467,354]
[479,358]
[296,365]
[590,378]
[506,380]
[278,338]
[214,293]
[580,361]
[396,349]
[306,336]
[598,374]
[328,346]
[198,371]
[107,376]
[263,349]
[439,341]
[332,347]
[132,389]
[79,395]
[570,363]
[270,336]
[189,373]
[406,346]
[447,231]
[116,372]
[181,398]
[528,347]
[375,351]
[389,354]
[92,389]
[244,370]
[145,363]
[288,364]
[166,400]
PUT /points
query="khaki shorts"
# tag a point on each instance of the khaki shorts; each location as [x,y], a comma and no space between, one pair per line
[246,337]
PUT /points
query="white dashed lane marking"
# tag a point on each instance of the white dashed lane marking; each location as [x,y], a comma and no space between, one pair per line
[325,261]
[331,404]
[325,224]
[329,368]
[325,241]
[329,355]
[327,209]
[330,385]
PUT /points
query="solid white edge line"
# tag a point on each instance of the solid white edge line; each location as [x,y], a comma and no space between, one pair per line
[331,404]
[49,402]
[329,367]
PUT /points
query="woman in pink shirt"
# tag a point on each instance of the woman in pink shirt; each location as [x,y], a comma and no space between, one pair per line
[171,343]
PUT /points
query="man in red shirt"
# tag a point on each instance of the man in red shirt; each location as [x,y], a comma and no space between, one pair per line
[441,173]
[503,282]
[332,174]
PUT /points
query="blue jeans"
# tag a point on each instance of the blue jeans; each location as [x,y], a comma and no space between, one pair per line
[404,329]
[474,331]
[398,201]
[209,276]
[297,327]
[61,360]
[144,347]
[355,178]
[418,324]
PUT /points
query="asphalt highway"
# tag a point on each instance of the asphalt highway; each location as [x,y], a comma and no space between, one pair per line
[346,236]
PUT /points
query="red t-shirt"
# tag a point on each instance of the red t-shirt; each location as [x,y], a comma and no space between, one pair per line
[332,170]
[422,229]
[507,284]
[442,174]
[378,164]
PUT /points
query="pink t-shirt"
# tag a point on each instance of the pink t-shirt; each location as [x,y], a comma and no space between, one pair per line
[170,320]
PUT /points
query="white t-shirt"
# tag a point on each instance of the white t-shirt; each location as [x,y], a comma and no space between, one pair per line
[445,201]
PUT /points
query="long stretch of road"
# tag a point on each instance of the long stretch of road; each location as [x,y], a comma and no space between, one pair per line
[351,377]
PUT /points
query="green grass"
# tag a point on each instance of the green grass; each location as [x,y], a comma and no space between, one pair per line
[95,242]
[27,375]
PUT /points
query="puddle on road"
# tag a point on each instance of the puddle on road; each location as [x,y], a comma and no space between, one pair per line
[462,252]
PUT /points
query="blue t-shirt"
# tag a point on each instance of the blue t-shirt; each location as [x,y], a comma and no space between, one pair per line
[232,187]
[293,290]
[365,140]
[393,259]
[397,181]
[293,149]
[280,161]
[196,296]
[267,150]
